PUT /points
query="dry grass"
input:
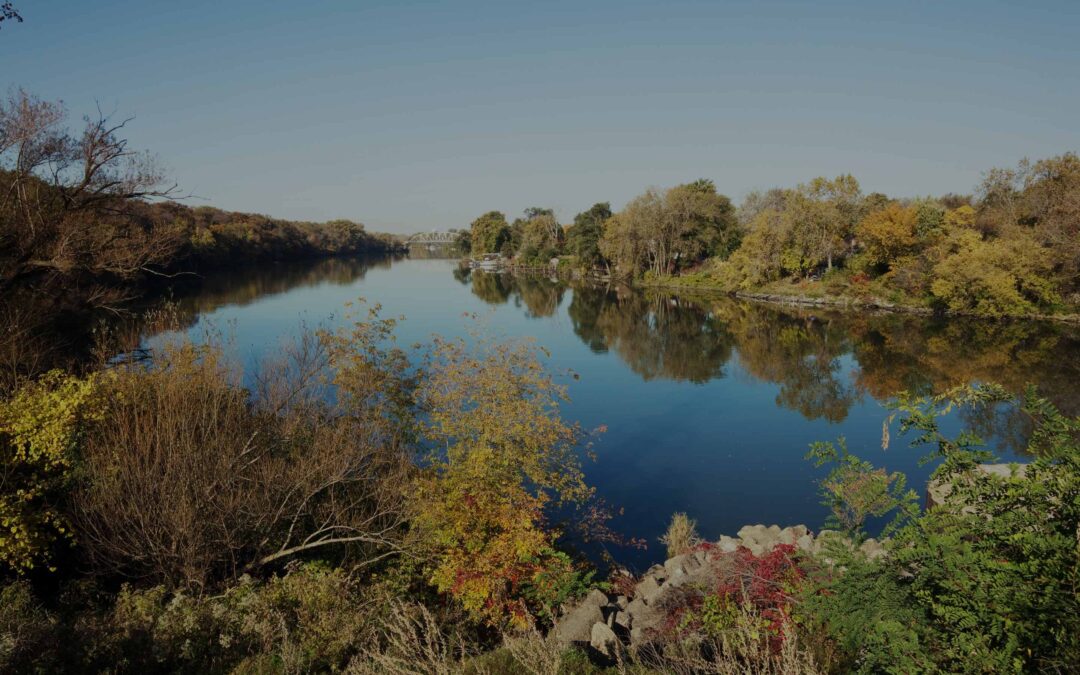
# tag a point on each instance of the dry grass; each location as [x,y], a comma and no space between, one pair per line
[412,643]
[681,535]
[535,653]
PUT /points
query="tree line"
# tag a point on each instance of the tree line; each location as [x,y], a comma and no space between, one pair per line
[1012,247]
[89,225]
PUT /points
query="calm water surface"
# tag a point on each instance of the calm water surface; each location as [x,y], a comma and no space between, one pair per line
[710,403]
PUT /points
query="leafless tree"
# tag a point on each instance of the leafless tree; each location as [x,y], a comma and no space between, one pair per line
[68,202]
[8,12]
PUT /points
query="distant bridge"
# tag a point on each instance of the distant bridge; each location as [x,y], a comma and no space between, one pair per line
[432,239]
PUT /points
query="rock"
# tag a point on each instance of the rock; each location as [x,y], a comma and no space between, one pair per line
[641,616]
[576,625]
[939,491]
[621,602]
[681,565]
[872,548]
[603,639]
[805,543]
[727,544]
[750,532]
[595,597]
[647,589]
[623,620]
[787,536]
[658,572]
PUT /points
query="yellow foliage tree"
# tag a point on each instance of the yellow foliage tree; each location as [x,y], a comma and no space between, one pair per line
[888,233]
[499,454]
[962,216]
[994,277]
[39,430]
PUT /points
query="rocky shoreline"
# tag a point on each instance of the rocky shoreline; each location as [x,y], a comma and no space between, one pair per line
[607,622]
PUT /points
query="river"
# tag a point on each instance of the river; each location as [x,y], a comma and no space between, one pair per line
[710,404]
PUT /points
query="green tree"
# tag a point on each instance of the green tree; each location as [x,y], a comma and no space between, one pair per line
[541,236]
[583,237]
[825,215]
[661,232]
[489,232]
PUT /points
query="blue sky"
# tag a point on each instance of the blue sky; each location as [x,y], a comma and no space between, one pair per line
[416,115]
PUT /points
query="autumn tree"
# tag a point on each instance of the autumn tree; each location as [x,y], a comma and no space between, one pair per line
[994,276]
[69,201]
[539,235]
[761,257]
[489,232]
[499,455]
[661,232]
[825,212]
[888,233]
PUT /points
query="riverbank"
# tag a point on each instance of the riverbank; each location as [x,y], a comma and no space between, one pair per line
[804,297]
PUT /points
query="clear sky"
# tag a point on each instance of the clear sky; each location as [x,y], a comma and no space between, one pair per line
[416,115]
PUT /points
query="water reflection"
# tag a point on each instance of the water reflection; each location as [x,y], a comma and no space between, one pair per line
[246,284]
[824,362]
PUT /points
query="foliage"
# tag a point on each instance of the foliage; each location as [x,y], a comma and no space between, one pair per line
[982,583]
[750,610]
[583,237]
[662,232]
[855,490]
[499,454]
[538,237]
[312,619]
[27,632]
[189,479]
[40,427]
[994,277]
[488,233]
[889,233]
[1011,251]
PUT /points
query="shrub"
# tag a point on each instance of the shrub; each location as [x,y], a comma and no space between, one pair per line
[983,583]
[312,619]
[28,634]
[40,427]
[188,479]
[994,277]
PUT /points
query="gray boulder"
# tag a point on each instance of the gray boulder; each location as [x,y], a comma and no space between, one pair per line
[603,639]
[576,625]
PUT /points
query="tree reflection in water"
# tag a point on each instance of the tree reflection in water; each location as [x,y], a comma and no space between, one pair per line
[824,362]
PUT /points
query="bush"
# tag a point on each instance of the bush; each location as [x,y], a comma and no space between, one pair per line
[311,619]
[40,427]
[189,479]
[994,277]
[982,583]
[28,634]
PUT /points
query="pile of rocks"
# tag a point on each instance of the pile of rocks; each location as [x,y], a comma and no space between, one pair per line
[605,622]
